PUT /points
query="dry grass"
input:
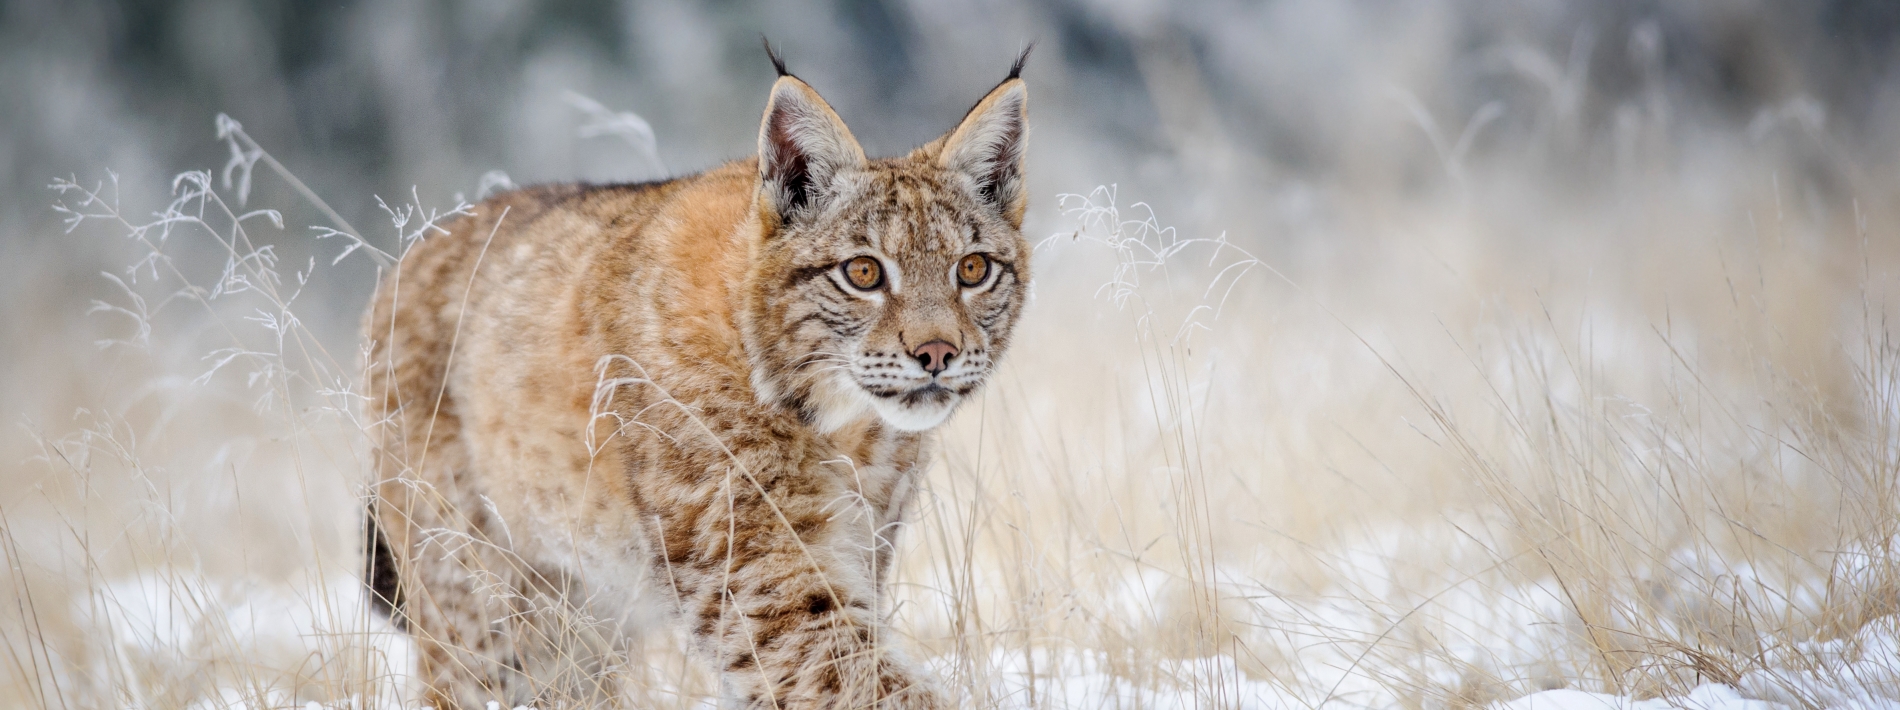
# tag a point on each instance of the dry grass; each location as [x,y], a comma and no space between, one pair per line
[1459,448]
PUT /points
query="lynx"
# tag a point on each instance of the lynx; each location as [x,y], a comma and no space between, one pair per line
[711,395]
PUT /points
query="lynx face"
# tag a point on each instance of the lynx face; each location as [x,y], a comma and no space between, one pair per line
[887,286]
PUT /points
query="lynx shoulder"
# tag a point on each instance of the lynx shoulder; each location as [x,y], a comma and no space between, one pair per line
[701,402]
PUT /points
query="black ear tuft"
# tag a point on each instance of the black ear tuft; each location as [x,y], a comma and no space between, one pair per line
[1016,70]
[779,64]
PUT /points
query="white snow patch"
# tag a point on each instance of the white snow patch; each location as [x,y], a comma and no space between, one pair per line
[177,620]
[1709,696]
[1073,679]
[1858,672]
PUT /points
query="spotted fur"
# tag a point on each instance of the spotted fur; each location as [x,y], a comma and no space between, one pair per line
[595,397]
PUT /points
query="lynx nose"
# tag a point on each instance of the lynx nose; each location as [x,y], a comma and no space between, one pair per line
[934,355]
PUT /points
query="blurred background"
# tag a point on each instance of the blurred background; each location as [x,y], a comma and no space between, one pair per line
[1257,118]
[1508,265]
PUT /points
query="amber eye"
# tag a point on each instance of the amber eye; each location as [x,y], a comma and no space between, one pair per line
[973,269]
[864,272]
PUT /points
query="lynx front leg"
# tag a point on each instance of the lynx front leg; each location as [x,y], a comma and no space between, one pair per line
[773,591]
[449,596]
[889,522]
[464,658]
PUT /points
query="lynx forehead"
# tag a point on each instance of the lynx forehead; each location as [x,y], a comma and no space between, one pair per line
[703,399]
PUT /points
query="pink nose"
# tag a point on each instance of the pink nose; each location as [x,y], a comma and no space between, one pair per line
[934,355]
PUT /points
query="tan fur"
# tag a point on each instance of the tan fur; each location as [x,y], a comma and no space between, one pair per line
[594,396]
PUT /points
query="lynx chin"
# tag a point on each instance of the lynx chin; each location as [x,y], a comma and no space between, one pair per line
[703,401]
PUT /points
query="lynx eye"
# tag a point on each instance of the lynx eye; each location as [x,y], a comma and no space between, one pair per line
[973,269]
[864,272]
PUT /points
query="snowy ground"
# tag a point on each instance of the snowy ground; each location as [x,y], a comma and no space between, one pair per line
[167,622]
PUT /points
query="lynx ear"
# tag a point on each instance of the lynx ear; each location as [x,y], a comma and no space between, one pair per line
[988,147]
[803,145]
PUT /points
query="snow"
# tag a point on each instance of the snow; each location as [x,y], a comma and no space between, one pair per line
[1074,680]
[1079,681]
[1855,672]
[166,619]
[184,623]
[1709,696]
[161,613]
